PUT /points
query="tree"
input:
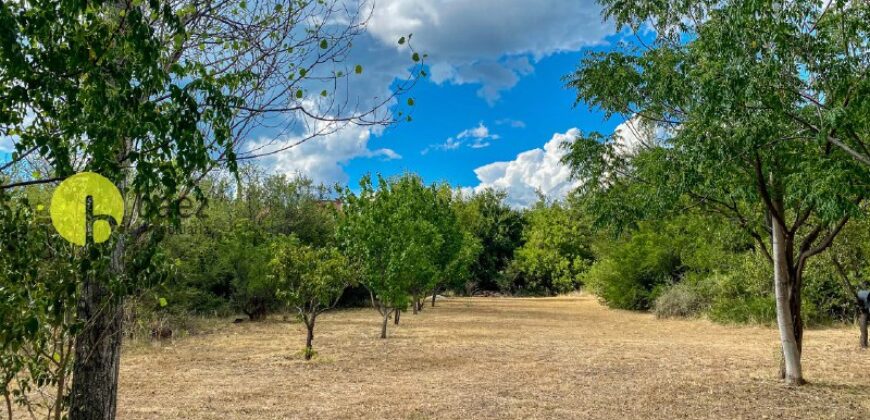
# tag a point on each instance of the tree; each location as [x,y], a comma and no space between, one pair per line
[719,100]
[154,96]
[556,249]
[390,233]
[310,280]
[499,230]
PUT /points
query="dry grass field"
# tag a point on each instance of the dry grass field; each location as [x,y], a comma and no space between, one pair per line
[494,358]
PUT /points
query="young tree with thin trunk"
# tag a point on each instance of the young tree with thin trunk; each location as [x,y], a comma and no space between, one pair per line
[310,280]
[721,102]
[392,234]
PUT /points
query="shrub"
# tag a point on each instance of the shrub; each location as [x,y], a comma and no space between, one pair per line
[681,300]
[634,271]
[744,310]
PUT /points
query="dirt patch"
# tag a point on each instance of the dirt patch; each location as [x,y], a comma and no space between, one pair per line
[494,358]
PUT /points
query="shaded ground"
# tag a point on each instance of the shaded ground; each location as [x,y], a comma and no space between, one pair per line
[494,358]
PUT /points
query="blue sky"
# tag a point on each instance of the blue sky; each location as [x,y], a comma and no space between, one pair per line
[492,111]
[495,94]
[523,118]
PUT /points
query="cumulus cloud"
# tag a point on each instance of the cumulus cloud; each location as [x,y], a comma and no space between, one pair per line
[489,42]
[322,158]
[533,171]
[475,138]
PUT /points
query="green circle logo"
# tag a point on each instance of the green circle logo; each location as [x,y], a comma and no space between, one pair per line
[86,202]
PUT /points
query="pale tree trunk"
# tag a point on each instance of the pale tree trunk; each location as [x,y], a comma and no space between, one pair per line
[415,304]
[786,303]
[386,314]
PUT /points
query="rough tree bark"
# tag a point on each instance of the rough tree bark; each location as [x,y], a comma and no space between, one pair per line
[98,346]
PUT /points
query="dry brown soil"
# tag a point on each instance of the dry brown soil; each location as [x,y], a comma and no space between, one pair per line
[494,358]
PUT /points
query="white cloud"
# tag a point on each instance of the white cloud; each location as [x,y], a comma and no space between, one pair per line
[533,171]
[511,122]
[476,138]
[322,158]
[489,42]
[634,135]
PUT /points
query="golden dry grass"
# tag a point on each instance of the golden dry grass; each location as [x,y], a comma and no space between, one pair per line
[494,358]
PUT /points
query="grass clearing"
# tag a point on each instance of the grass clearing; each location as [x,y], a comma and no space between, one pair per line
[564,357]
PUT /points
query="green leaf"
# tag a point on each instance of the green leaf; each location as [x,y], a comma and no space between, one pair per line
[323,44]
[32,325]
[299,94]
[401,40]
[358,69]
[323,93]
[415,57]
[410,101]
[302,72]
[163,302]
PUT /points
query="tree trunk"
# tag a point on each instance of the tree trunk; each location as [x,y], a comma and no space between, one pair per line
[784,287]
[415,303]
[384,325]
[98,353]
[309,349]
[862,325]
[434,292]
[396,319]
[94,391]
[8,401]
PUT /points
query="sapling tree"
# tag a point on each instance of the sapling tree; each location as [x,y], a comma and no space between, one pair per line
[734,106]
[388,233]
[310,280]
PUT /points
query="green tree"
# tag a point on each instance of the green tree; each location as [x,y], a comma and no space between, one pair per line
[390,233]
[556,250]
[154,96]
[310,280]
[723,96]
[499,230]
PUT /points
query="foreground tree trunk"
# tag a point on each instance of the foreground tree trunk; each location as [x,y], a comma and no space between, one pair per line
[98,354]
[94,391]
[787,301]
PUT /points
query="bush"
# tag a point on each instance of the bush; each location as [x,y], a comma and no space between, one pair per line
[745,310]
[681,300]
[633,272]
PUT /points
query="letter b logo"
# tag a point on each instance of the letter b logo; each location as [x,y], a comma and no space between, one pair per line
[69,207]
